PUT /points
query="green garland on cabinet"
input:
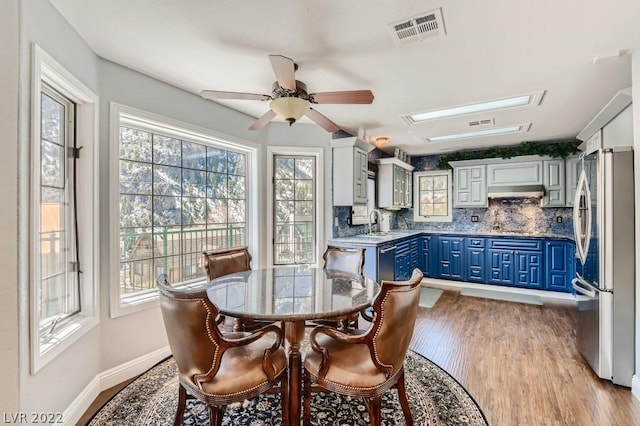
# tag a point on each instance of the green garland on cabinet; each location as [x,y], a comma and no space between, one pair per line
[555,150]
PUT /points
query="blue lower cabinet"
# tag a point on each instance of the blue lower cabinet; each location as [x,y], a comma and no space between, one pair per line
[501,266]
[475,257]
[560,261]
[426,258]
[528,271]
[528,263]
[450,258]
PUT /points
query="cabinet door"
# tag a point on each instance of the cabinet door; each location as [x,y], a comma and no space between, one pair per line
[528,271]
[450,260]
[470,186]
[426,258]
[360,170]
[408,187]
[554,183]
[559,260]
[475,264]
[501,266]
[398,181]
[475,258]
[518,173]
[572,172]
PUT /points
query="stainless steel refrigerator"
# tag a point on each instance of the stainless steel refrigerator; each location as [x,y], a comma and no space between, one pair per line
[605,236]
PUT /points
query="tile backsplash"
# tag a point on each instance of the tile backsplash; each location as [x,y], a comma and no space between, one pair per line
[520,216]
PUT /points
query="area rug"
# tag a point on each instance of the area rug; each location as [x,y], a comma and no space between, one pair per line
[500,295]
[429,296]
[434,396]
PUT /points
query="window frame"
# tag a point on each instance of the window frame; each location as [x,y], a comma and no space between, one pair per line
[314,185]
[416,196]
[165,126]
[318,153]
[47,71]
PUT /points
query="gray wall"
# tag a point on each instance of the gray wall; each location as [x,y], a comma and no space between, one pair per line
[635,75]
[114,341]
[9,397]
[56,385]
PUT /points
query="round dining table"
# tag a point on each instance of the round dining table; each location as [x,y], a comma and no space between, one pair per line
[292,295]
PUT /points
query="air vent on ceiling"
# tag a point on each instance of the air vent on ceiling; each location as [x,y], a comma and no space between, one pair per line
[482,123]
[418,27]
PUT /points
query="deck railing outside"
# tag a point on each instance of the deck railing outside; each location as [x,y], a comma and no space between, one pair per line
[178,253]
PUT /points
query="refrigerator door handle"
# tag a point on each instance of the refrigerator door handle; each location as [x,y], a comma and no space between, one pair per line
[584,287]
[582,216]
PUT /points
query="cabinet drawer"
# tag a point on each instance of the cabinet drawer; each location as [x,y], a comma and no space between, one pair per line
[475,242]
[515,244]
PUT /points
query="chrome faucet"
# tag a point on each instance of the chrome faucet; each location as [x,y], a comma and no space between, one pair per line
[374,212]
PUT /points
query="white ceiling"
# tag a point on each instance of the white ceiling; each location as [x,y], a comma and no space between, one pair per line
[492,49]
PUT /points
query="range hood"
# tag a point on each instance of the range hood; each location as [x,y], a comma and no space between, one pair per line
[515,191]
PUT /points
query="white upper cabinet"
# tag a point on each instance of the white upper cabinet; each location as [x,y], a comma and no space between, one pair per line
[395,183]
[554,183]
[350,167]
[469,186]
[473,178]
[515,173]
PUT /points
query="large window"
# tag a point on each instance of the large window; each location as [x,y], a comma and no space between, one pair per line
[294,205]
[63,209]
[432,196]
[179,194]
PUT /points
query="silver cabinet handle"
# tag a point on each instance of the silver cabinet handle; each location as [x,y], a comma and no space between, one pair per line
[384,250]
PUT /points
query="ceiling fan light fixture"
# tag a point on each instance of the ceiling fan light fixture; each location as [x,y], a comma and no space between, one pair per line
[381,141]
[289,108]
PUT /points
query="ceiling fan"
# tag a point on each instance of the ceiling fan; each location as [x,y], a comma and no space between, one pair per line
[289,97]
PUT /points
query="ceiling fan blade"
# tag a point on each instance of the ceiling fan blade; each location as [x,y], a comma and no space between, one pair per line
[262,121]
[322,121]
[344,97]
[215,94]
[285,69]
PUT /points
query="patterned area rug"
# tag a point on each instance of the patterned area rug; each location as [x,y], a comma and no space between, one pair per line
[434,396]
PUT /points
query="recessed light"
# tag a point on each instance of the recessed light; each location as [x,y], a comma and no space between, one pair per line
[480,133]
[530,99]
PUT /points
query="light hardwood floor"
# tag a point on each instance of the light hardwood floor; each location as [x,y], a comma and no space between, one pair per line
[520,363]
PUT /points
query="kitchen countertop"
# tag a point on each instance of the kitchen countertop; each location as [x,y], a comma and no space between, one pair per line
[398,234]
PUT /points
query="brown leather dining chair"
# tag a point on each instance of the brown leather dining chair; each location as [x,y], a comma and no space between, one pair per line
[370,363]
[215,368]
[226,261]
[351,262]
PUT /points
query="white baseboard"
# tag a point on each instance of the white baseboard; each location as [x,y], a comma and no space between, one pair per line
[463,284]
[79,405]
[110,378]
[635,387]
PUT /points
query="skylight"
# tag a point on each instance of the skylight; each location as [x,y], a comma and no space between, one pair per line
[517,101]
[480,133]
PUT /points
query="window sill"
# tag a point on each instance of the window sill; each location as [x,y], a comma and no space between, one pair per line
[62,339]
[146,300]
